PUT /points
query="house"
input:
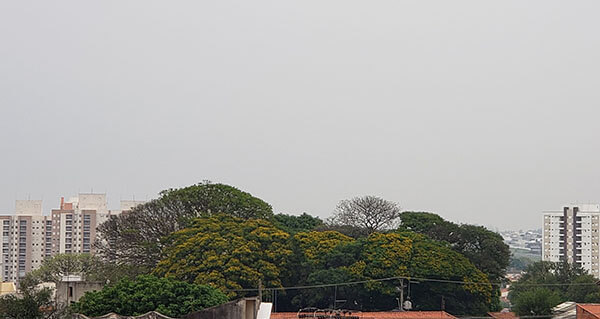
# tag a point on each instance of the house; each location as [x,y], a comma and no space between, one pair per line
[7,288]
[71,288]
[588,311]
[503,315]
[565,310]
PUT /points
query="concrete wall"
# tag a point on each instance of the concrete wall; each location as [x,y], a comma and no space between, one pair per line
[239,309]
[28,207]
[79,288]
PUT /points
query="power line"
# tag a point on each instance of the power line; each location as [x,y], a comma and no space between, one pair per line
[411,278]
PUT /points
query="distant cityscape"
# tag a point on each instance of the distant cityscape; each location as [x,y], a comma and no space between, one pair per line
[526,240]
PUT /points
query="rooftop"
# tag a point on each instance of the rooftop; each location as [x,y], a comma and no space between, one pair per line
[591,308]
[503,315]
[380,315]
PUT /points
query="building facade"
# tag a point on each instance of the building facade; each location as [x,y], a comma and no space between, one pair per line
[29,236]
[25,239]
[572,235]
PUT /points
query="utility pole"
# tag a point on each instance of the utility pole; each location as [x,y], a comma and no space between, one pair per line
[443,303]
[260,290]
[402,294]
[335,298]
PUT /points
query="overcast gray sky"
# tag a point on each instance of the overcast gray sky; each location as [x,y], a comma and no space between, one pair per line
[483,112]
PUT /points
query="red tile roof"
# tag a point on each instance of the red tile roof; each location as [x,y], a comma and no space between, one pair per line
[503,315]
[381,315]
[592,309]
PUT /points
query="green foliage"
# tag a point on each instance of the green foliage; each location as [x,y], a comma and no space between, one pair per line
[227,252]
[31,304]
[342,259]
[519,263]
[147,293]
[295,224]
[89,267]
[564,282]
[536,302]
[315,247]
[484,248]
[323,297]
[207,198]
[136,238]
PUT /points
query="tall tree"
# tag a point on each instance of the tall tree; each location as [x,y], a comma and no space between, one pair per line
[295,224]
[484,248]
[227,252]
[341,259]
[147,293]
[136,237]
[368,213]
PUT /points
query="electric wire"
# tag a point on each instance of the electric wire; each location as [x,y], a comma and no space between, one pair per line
[350,283]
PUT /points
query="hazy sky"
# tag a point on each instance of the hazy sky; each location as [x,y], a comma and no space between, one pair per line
[483,112]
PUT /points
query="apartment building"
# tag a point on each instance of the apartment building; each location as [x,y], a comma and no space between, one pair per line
[25,239]
[572,235]
[29,236]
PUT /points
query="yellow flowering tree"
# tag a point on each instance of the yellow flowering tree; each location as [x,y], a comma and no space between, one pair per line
[392,255]
[228,253]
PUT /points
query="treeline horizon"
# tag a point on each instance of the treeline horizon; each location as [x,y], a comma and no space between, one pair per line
[215,234]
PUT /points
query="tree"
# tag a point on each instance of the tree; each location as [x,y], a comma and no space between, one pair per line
[561,282]
[89,267]
[30,304]
[484,248]
[295,224]
[315,247]
[136,238]
[368,213]
[390,255]
[227,252]
[413,255]
[206,198]
[148,293]
[519,263]
[538,301]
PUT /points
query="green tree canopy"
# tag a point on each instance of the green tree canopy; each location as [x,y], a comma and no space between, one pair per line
[560,282]
[537,301]
[30,304]
[484,248]
[316,247]
[389,255]
[136,237]
[89,267]
[206,198]
[148,293]
[295,224]
[227,252]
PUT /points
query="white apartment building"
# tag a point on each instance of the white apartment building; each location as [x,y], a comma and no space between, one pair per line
[28,236]
[25,239]
[572,235]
